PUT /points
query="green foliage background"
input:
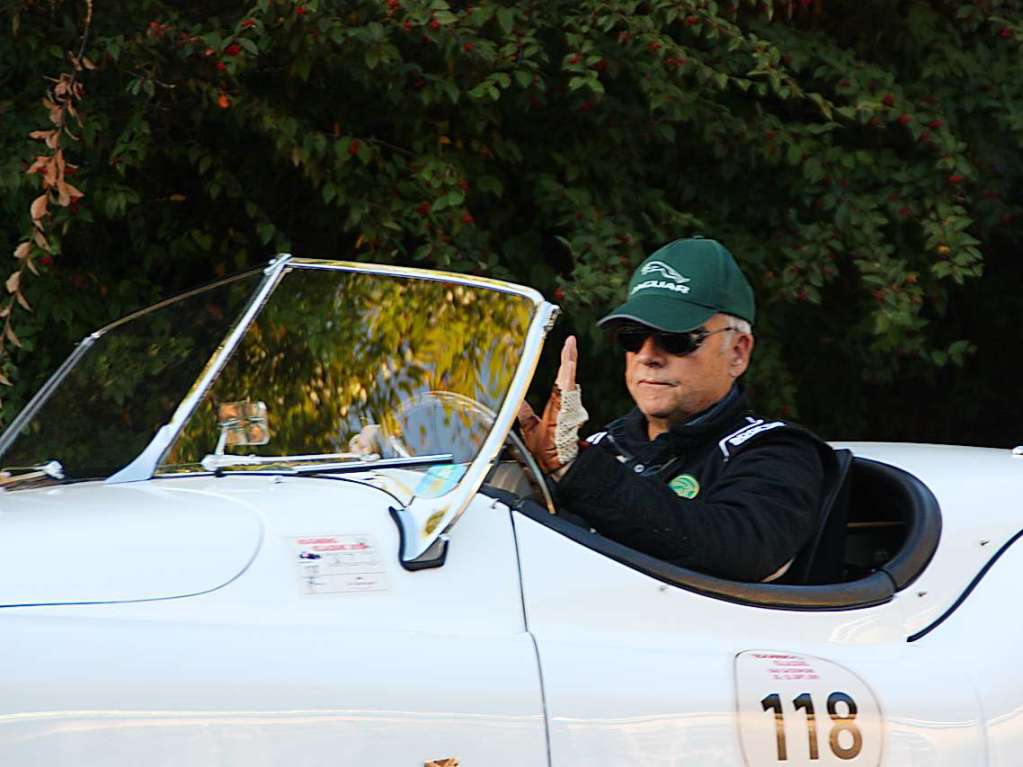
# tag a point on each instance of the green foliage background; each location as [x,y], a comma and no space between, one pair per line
[861,160]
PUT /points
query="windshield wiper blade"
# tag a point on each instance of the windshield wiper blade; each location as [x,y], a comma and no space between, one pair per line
[50,469]
[318,463]
[215,461]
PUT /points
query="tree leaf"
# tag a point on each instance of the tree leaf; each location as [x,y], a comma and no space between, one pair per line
[11,335]
[38,208]
[506,18]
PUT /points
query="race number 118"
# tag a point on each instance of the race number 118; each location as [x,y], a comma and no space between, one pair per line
[847,747]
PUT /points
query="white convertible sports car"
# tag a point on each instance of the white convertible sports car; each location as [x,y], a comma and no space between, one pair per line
[197,567]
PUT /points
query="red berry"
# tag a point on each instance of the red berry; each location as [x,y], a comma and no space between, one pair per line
[925,137]
[434,24]
[468,47]
[467,218]
[692,21]
[221,66]
[233,49]
[463,185]
[575,58]
[300,10]
[407,26]
[904,119]
[393,4]
[935,124]
[47,259]
[423,208]
[888,100]
[654,46]
[1005,33]
[559,294]
[954,179]
[353,148]
[248,23]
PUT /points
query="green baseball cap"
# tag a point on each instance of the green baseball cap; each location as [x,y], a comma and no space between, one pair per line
[684,284]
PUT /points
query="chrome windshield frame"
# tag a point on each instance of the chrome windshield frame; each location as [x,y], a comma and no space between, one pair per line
[145,465]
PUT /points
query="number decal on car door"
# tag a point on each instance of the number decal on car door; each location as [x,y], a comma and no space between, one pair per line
[802,710]
[842,723]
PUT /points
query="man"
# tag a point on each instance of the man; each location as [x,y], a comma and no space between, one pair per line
[690,475]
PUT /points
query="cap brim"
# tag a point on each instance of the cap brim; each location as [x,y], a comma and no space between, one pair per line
[662,313]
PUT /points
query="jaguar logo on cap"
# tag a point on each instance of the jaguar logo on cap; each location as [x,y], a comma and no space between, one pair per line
[663,268]
[677,283]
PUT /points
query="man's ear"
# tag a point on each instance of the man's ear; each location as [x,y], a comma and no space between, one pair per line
[740,351]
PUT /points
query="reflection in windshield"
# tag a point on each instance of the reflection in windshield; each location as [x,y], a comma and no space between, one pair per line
[334,351]
[129,383]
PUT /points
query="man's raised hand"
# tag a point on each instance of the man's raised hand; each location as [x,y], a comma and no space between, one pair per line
[553,439]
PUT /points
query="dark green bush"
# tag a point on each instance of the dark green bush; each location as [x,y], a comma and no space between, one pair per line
[862,162]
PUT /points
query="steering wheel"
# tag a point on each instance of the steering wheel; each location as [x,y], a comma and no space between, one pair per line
[438,422]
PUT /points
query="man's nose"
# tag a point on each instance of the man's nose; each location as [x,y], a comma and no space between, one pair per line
[650,353]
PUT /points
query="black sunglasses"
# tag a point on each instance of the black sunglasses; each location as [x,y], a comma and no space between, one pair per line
[631,338]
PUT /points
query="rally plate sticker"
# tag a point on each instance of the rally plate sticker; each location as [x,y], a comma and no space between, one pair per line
[802,710]
[338,564]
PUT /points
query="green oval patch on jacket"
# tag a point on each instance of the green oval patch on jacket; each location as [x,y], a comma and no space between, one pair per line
[685,485]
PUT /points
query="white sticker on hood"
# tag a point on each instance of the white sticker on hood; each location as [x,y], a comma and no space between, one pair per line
[338,564]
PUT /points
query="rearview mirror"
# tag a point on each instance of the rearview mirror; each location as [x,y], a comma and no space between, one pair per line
[242,423]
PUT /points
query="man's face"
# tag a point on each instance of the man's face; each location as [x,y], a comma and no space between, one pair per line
[668,388]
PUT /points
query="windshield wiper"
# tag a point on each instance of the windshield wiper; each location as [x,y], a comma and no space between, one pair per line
[318,463]
[50,469]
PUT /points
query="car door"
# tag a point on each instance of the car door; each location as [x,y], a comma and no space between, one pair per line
[637,671]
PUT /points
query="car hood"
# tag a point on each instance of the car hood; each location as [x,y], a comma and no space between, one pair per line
[93,542]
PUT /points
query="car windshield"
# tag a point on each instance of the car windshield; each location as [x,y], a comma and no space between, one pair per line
[339,366]
[418,367]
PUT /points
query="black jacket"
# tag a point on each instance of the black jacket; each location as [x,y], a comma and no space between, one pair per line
[729,493]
